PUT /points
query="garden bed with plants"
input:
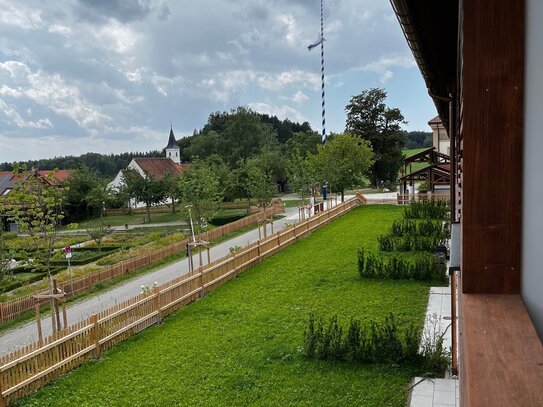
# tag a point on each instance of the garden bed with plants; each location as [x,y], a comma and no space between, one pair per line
[243,344]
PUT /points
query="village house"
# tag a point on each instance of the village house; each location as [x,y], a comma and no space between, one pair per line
[155,167]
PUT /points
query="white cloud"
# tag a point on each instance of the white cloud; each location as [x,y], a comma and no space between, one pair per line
[16,118]
[117,37]
[282,112]
[383,66]
[60,29]
[52,92]
[300,97]
[19,16]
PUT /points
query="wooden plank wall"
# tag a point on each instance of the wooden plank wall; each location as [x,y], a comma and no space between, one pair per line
[492,132]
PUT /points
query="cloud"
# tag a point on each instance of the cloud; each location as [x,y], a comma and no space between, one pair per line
[50,91]
[16,118]
[19,16]
[91,70]
[282,111]
[384,65]
[123,11]
[300,98]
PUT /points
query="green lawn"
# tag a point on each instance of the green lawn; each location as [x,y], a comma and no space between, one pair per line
[240,345]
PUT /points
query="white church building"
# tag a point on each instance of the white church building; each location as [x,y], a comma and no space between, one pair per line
[155,167]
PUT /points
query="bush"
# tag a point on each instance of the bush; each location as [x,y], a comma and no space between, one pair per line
[429,209]
[388,243]
[9,235]
[427,227]
[382,266]
[381,342]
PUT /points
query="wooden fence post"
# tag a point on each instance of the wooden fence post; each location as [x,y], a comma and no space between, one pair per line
[95,335]
[202,289]
[156,293]
[3,402]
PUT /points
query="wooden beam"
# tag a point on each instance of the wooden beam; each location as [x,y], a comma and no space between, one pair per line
[492,34]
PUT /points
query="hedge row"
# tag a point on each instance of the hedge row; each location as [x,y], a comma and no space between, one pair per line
[379,342]
[425,227]
[427,210]
[388,243]
[385,266]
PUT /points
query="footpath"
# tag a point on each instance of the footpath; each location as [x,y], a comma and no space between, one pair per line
[27,333]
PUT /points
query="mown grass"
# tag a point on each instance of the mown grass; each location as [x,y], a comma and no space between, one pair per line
[241,344]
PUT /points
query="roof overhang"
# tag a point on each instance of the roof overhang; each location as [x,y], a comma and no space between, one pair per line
[431,30]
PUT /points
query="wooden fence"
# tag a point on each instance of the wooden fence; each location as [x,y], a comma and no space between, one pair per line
[11,309]
[408,198]
[26,370]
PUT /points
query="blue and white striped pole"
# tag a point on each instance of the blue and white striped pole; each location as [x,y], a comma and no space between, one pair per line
[322,77]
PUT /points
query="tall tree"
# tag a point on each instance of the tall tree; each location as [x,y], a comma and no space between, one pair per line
[343,162]
[144,189]
[369,117]
[170,183]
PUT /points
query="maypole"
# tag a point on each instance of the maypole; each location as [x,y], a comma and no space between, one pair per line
[320,41]
[322,75]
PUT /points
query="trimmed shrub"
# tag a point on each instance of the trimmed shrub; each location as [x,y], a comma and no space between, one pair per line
[429,209]
[380,342]
[388,243]
[383,266]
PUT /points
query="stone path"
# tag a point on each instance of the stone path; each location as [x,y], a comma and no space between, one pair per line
[439,392]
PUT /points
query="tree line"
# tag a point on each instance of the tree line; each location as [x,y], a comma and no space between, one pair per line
[245,154]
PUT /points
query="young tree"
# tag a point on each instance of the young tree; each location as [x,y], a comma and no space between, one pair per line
[259,182]
[370,118]
[200,188]
[342,162]
[300,174]
[35,205]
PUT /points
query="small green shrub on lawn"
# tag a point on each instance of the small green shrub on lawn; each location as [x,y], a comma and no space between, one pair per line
[426,227]
[427,210]
[378,342]
[384,266]
[388,243]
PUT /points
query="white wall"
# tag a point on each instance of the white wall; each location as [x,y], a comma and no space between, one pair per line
[532,233]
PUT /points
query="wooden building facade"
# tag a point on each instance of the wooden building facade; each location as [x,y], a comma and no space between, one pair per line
[472,55]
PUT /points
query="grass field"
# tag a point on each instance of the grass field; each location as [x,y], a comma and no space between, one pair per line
[413,151]
[241,344]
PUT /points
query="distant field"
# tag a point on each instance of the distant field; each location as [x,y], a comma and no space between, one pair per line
[413,151]
[240,345]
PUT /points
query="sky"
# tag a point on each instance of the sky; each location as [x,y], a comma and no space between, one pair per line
[110,76]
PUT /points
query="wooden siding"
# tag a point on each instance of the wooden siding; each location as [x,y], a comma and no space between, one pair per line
[491,112]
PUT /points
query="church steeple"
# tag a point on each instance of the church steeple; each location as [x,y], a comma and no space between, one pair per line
[173,151]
